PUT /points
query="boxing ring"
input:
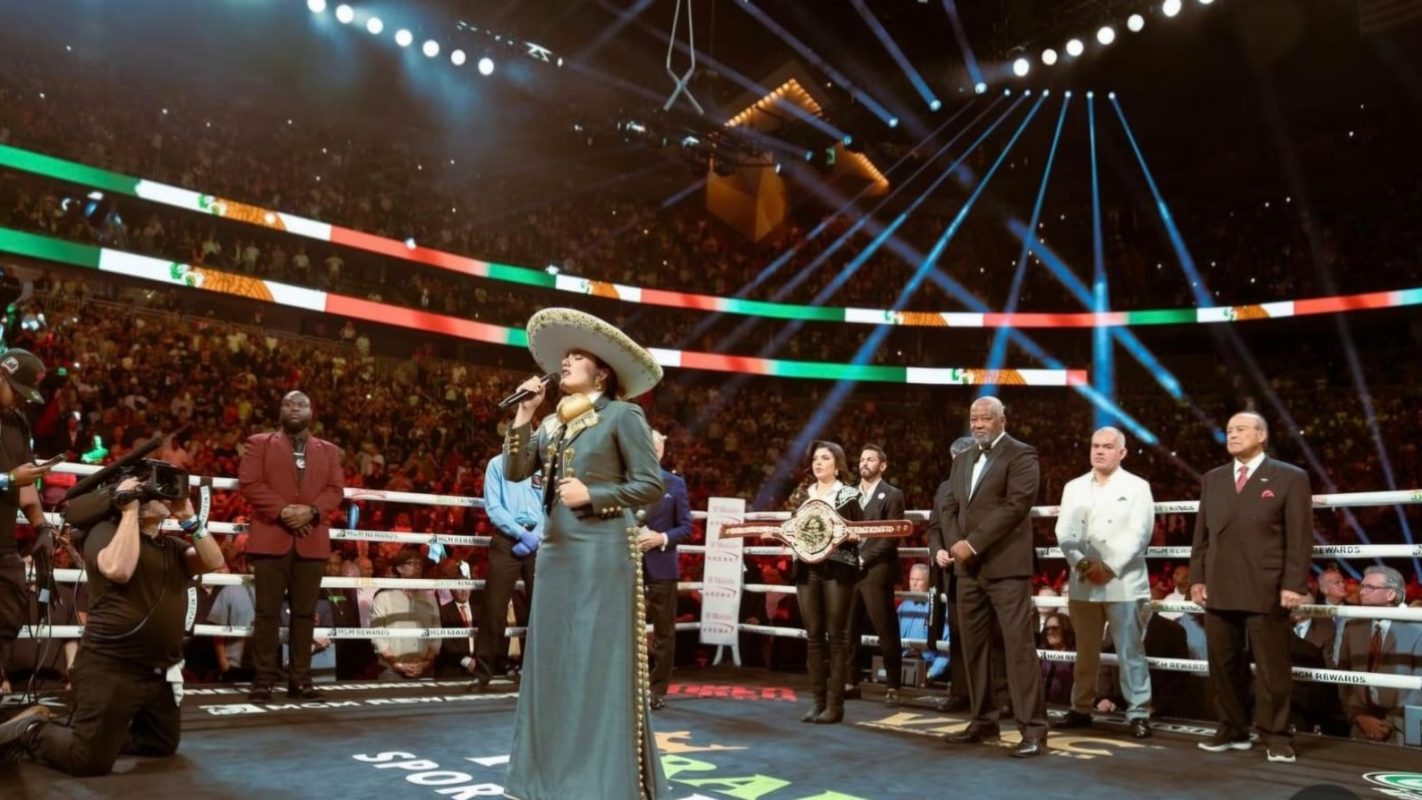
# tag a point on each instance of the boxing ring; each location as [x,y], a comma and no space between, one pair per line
[727,731]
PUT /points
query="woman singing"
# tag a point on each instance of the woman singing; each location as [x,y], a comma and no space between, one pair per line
[826,589]
[582,727]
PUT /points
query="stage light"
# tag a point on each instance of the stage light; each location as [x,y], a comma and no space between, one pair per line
[316,6]
[1111,96]
[430,48]
[893,122]
[1021,67]
[458,58]
[345,14]
[1049,56]
[1106,34]
[980,88]
[486,66]
[410,243]
[1135,22]
[404,38]
[1090,95]
[1170,7]
[1206,2]
[1075,48]
[935,105]
[374,25]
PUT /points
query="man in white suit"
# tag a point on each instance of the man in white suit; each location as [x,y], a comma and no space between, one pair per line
[1105,525]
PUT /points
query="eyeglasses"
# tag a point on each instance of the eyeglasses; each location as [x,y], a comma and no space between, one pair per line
[1363,587]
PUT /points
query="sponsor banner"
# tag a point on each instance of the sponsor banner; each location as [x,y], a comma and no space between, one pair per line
[721,575]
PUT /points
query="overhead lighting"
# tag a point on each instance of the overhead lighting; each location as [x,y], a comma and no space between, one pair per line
[1135,22]
[1049,56]
[430,48]
[1075,48]
[935,105]
[404,38]
[486,66]
[1021,67]
[374,25]
[316,6]
[1106,34]
[1170,8]
[458,58]
[980,87]
[344,13]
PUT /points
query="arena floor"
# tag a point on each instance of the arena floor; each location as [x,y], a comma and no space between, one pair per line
[725,733]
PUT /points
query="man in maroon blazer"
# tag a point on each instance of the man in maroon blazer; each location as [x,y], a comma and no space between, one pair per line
[293,481]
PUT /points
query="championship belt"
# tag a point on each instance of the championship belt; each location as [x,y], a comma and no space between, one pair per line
[816,529]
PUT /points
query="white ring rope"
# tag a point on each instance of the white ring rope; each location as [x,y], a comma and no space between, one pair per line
[245,631]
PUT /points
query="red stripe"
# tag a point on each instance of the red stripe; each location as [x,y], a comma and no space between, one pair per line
[398,250]
[1085,319]
[720,363]
[1077,377]
[1331,305]
[418,320]
[700,302]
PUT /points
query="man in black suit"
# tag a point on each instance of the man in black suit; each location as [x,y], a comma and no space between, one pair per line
[986,525]
[1250,561]
[879,572]
[668,523]
[456,656]
[1314,706]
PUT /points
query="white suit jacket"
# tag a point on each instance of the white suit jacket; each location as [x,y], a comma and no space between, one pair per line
[1115,533]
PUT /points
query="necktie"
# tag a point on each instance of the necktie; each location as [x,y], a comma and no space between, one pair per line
[1242,479]
[464,616]
[1375,648]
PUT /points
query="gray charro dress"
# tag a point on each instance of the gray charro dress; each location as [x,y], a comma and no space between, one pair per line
[582,729]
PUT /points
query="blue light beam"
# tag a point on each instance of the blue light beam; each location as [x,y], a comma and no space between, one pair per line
[887,41]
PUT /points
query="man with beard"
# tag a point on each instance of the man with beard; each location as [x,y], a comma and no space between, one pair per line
[879,572]
[293,481]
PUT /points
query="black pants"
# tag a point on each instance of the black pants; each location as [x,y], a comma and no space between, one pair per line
[1268,636]
[505,569]
[874,598]
[278,577]
[1008,603]
[14,604]
[825,592]
[958,665]
[119,708]
[661,612]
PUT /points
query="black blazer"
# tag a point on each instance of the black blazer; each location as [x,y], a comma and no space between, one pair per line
[1250,545]
[887,503]
[453,650]
[995,521]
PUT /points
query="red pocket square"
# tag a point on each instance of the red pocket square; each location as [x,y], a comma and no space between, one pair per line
[1268,494]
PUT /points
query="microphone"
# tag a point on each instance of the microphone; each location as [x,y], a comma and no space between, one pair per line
[523,394]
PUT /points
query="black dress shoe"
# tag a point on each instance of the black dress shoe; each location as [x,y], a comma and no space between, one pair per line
[480,684]
[1140,728]
[815,711]
[853,692]
[1073,719]
[891,698]
[973,734]
[259,694]
[658,703]
[306,692]
[15,733]
[830,716]
[1028,748]
[951,704]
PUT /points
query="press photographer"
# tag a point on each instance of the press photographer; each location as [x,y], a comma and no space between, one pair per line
[22,372]
[127,677]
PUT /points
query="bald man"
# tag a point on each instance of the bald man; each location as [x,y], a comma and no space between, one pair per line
[1106,520]
[1249,565]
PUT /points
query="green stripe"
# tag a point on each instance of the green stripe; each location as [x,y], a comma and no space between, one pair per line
[67,170]
[28,244]
[1161,316]
[523,275]
[838,372]
[762,308]
[518,337]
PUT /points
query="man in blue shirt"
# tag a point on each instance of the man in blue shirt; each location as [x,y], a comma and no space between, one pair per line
[913,624]
[668,523]
[516,510]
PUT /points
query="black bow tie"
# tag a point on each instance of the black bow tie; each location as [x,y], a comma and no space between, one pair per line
[987,448]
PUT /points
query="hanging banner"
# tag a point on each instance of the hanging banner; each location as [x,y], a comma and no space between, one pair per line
[721,576]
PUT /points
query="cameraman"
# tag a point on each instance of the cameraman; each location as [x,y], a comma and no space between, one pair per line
[22,372]
[127,677]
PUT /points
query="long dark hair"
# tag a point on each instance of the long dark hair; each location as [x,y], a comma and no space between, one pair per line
[613,387]
[841,468]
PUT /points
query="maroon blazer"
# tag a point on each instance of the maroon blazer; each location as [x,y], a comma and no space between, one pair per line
[267,478]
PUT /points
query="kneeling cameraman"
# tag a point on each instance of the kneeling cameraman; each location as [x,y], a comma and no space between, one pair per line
[127,677]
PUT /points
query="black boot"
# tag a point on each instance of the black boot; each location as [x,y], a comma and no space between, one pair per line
[815,655]
[834,706]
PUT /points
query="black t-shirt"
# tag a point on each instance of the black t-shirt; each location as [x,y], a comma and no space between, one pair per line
[14,450]
[157,591]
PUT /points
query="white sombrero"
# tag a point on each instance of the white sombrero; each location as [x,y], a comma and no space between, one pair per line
[552,332]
